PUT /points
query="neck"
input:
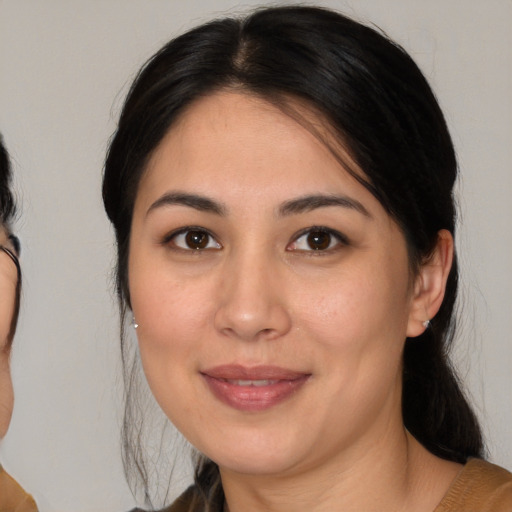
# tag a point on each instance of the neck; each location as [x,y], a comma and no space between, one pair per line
[392,473]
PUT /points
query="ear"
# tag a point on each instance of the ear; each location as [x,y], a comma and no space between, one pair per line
[430,284]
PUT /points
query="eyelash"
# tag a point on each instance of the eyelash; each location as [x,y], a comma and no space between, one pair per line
[171,239]
[339,238]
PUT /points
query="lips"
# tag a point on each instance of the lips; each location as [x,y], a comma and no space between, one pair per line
[253,389]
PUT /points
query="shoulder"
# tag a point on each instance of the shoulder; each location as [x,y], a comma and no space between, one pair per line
[13,497]
[479,487]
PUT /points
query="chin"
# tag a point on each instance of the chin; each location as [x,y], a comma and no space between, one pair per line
[254,457]
[263,465]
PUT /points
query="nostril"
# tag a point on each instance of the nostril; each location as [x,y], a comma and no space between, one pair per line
[249,309]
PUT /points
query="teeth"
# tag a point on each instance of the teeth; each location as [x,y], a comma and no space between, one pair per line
[256,383]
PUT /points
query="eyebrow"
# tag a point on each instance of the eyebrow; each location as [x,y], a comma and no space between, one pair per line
[312,202]
[197,202]
[294,206]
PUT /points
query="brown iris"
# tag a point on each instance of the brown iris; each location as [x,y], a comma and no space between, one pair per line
[319,240]
[196,239]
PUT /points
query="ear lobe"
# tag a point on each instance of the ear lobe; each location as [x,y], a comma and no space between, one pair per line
[430,284]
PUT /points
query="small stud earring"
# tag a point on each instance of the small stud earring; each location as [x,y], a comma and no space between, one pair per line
[426,324]
[134,323]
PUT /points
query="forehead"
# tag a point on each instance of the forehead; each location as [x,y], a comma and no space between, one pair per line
[239,140]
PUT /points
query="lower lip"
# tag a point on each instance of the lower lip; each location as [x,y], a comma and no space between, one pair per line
[254,398]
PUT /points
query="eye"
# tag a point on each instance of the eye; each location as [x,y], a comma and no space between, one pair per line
[318,239]
[193,239]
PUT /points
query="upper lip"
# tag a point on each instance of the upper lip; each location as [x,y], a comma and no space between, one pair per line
[240,372]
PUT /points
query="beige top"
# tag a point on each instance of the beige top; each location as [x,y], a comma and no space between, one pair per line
[479,487]
[12,497]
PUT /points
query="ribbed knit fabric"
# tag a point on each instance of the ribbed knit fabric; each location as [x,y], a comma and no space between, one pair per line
[479,487]
[12,497]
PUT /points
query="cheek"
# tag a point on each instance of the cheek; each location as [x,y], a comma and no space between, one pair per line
[173,313]
[7,304]
[6,394]
[169,324]
[359,324]
[357,306]
[169,313]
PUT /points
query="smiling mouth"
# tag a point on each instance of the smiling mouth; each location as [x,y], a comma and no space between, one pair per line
[253,389]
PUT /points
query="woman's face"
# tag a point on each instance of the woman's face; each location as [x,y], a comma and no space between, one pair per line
[272,291]
[8,282]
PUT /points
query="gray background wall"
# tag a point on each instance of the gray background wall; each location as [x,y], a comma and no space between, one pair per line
[64,69]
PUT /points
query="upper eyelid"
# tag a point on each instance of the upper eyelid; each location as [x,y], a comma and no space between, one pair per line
[180,231]
[334,232]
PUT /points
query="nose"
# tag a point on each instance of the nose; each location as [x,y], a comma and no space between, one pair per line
[253,304]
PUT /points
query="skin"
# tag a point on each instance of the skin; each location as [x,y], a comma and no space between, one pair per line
[258,295]
[8,281]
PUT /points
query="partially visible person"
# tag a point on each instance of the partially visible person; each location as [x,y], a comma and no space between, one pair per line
[12,497]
